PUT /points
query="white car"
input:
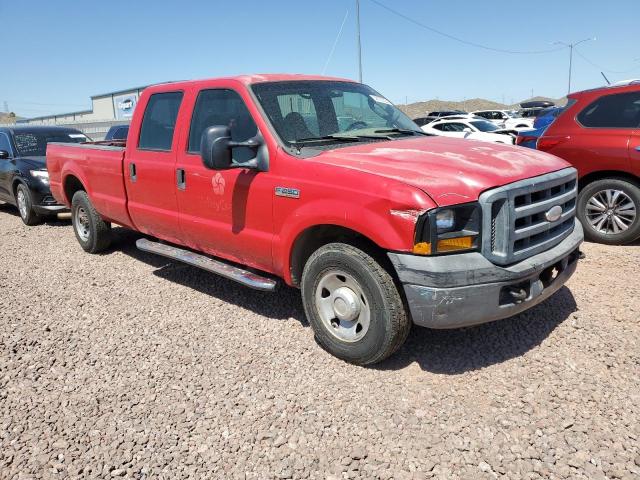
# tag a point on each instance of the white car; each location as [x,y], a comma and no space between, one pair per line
[505,118]
[473,129]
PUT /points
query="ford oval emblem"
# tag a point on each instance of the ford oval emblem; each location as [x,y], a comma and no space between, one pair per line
[554,213]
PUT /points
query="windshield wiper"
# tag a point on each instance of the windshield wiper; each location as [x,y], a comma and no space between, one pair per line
[402,130]
[341,138]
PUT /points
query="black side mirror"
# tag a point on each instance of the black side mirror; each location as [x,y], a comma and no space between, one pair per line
[216,149]
[4,154]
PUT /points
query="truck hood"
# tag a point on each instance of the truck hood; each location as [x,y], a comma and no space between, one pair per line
[449,170]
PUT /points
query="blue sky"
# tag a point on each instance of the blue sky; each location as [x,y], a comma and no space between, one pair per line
[58,53]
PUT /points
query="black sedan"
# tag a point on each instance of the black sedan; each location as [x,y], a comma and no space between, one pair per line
[24,180]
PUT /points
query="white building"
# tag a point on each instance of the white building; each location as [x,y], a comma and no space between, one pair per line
[107,109]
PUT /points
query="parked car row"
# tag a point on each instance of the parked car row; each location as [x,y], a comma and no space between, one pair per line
[599,133]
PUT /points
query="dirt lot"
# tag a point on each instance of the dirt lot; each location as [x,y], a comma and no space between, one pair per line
[128,365]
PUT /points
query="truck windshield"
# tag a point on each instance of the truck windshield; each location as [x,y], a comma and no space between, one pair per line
[35,143]
[305,112]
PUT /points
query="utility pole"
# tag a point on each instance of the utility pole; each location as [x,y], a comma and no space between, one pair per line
[358,38]
[571,46]
[6,107]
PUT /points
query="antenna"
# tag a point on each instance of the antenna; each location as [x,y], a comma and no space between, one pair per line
[606,79]
[358,38]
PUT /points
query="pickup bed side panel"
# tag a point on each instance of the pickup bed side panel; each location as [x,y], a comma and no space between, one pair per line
[99,169]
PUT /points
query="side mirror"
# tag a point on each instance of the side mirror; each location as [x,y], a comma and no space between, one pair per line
[216,149]
[4,154]
[467,130]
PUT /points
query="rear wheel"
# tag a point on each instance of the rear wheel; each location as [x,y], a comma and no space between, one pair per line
[353,304]
[609,210]
[92,232]
[25,206]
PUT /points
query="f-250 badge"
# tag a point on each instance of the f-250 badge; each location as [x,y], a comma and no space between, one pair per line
[287,192]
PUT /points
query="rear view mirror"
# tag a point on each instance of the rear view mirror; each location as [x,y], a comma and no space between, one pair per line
[4,154]
[216,148]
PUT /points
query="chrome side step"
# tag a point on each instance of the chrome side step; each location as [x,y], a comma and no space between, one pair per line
[236,274]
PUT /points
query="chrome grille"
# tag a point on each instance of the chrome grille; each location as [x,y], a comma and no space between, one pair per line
[515,214]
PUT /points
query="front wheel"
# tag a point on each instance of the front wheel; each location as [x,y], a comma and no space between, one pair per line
[609,211]
[353,305]
[92,232]
[25,206]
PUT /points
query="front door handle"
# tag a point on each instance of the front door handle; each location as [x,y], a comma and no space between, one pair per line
[132,172]
[181,178]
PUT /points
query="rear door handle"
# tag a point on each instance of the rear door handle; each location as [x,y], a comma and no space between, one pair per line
[638,148]
[181,178]
[132,172]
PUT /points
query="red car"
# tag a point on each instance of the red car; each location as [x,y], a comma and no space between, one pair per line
[324,184]
[599,134]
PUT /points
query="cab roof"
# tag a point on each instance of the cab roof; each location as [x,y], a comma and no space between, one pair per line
[257,78]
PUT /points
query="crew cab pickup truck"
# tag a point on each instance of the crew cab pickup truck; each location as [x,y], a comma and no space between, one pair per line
[322,183]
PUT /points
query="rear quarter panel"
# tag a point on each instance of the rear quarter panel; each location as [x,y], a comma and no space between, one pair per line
[100,170]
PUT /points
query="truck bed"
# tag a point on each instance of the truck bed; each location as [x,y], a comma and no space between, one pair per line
[99,168]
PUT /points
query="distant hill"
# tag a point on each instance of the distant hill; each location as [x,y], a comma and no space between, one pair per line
[422,108]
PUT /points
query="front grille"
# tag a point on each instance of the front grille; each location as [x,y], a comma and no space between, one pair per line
[515,214]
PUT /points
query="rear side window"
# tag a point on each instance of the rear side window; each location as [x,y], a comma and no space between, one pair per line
[621,110]
[223,107]
[159,121]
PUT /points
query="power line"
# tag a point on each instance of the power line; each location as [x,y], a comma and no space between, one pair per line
[461,40]
[601,68]
[335,43]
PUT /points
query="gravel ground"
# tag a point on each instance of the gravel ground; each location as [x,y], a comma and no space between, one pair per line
[129,365]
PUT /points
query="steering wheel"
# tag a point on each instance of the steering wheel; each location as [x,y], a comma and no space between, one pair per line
[357,125]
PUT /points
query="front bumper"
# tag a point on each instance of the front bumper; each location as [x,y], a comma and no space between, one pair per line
[43,202]
[452,291]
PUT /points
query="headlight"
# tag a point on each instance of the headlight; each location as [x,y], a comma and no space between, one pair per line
[449,229]
[445,219]
[41,175]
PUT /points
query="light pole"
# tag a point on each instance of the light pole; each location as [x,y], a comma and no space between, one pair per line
[358,38]
[571,45]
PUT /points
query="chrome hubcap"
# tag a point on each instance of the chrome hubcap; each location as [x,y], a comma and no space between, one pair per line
[611,211]
[22,203]
[81,223]
[342,306]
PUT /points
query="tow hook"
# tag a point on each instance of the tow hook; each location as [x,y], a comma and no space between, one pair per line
[518,294]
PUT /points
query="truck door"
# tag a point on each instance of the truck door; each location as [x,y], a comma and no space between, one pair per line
[634,151]
[150,169]
[227,213]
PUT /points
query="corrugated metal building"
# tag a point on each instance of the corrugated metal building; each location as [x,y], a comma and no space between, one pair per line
[107,109]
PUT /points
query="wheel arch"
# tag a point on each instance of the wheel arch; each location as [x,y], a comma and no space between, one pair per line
[71,184]
[314,237]
[607,174]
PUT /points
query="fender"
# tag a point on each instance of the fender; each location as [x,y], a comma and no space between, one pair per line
[388,228]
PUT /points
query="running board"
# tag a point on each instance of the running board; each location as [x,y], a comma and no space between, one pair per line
[236,274]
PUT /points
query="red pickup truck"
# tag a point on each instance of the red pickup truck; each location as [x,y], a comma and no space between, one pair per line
[323,183]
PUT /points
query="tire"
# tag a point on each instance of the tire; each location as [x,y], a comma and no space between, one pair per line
[371,329]
[24,203]
[623,206]
[92,232]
